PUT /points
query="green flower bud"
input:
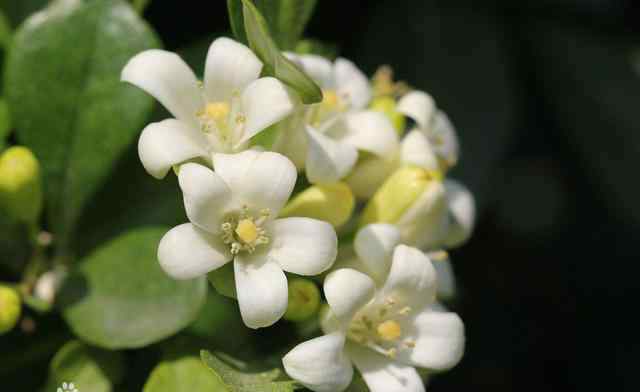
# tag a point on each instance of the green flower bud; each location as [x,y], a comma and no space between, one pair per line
[387,106]
[9,309]
[332,203]
[20,186]
[304,300]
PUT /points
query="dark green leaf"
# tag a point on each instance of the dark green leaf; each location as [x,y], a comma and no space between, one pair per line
[312,46]
[5,123]
[223,280]
[119,297]
[18,10]
[67,102]
[5,30]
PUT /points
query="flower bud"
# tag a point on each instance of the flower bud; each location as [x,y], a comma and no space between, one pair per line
[9,309]
[387,106]
[328,202]
[304,300]
[20,187]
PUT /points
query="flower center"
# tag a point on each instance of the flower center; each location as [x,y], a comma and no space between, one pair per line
[330,99]
[389,330]
[214,115]
[244,232]
[331,105]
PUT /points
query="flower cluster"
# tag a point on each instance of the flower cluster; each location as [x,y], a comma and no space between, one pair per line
[385,281]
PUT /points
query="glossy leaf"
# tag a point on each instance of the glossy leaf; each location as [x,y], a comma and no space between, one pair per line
[184,373]
[119,297]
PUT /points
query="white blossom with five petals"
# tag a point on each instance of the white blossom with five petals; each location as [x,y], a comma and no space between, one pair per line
[386,323]
[232,215]
[221,114]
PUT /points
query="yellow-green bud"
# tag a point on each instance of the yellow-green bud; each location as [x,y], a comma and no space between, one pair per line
[9,309]
[20,186]
[387,106]
[333,203]
[304,300]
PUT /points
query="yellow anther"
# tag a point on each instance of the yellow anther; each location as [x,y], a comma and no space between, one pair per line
[247,231]
[389,330]
[216,111]
[330,98]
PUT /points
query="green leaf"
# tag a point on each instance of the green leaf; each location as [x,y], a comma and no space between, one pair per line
[286,19]
[184,373]
[312,46]
[89,369]
[5,123]
[18,10]
[275,64]
[237,381]
[119,297]
[223,280]
[67,102]
[5,30]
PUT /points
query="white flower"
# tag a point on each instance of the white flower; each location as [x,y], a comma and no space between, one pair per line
[232,213]
[386,330]
[231,106]
[325,138]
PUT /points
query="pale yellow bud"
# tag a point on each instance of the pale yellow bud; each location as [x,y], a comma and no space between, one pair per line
[10,305]
[387,106]
[304,300]
[20,184]
[333,203]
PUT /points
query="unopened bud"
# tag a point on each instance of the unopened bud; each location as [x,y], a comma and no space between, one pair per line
[387,106]
[304,300]
[9,309]
[333,203]
[20,186]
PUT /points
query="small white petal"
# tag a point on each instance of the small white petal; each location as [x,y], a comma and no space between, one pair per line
[370,131]
[262,290]
[419,106]
[264,102]
[383,375]
[187,252]
[320,364]
[462,212]
[328,160]
[446,279]
[426,223]
[347,290]
[447,145]
[352,83]
[411,279]
[303,246]
[439,340]
[229,68]
[206,196]
[417,150]
[257,179]
[169,79]
[167,143]
[374,245]
[318,68]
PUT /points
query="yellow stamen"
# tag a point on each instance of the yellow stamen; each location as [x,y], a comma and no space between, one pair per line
[247,231]
[389,330]
[330,99]
[216,111]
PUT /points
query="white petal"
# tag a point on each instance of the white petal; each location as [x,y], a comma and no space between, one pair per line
[383,375]
[206,196]
[318,68]
[303,246]
[347,290]
[230,67]
[264,102]
[328,160]
[446,279]
[412,278]
[262,290]
[369,174]
[320,364]
[417,150]
[462,212]
[292,139]
[370,131]
[419,106]
[439,338]
[257,179]
[374,245]
[187,252]
[352,83]
[426,223]
[169,79]
[167,143]
[447,145]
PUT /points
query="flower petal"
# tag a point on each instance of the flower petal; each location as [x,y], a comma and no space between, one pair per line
[439,340]
[447,145]
[347,290]
[419,106]
[262,290]
[446,279]
[302,246]
[374,246]
[257,179]
[206,196]
[328,160]
[167,143]
[369,174]
[370,131]
[462,213]
[264,102]
[317,67]
[229,68]
[320,364]
[417,150]
[352,83]
[169,79]
[425,224]
[412,278]
[383,375]
[187,252]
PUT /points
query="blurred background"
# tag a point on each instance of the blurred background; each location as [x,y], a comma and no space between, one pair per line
[546,98]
